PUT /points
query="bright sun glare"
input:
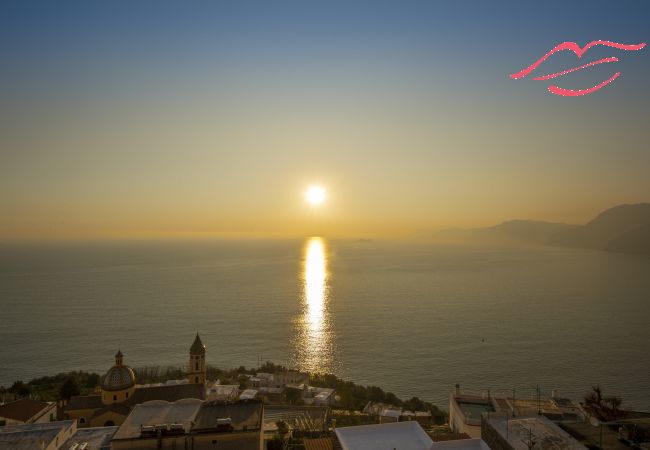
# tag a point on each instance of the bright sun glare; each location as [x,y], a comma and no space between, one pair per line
[315,195]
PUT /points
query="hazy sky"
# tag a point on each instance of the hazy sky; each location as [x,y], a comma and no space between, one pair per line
[155,118]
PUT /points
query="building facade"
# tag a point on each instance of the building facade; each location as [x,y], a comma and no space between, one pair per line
[118,392]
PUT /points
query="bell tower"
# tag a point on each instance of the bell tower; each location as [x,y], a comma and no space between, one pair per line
[196,372]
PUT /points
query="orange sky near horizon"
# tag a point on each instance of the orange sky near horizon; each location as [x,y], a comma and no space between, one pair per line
[117,125]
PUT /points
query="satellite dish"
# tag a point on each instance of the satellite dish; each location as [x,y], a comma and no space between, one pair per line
[595,422]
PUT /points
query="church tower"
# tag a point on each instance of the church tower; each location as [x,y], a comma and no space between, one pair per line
[196,372]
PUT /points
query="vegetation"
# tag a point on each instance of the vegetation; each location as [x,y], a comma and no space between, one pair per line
[352,396]
[605,408]
[349,395]
[53,388]
[69,388]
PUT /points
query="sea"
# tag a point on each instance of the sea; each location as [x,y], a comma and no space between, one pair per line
[413,318]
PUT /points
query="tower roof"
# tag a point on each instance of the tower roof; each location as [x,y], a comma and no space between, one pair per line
[197,347]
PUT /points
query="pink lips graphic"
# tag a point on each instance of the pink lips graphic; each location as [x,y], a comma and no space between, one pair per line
[575,48]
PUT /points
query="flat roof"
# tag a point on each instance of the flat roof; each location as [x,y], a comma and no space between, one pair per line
[158,412]
[219,388]
[30,436]
[36,426]
[242,414]
[544,433]
[248,394]
[306,418]
[387,436]
[461,444]
[27,440]
[98,438]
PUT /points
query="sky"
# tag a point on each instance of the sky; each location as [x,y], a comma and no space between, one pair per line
[195,119]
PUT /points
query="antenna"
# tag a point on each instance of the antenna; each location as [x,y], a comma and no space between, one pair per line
[530,443]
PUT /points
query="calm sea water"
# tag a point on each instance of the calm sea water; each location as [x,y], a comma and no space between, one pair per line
[414,319]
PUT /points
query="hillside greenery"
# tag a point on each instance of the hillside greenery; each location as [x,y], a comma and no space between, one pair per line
[349,395]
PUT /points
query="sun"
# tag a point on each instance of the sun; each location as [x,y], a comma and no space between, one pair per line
[315,195]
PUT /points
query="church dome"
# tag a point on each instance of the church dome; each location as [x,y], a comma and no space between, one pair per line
[119,376]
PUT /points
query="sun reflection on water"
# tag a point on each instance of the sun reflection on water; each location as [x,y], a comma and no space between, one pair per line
[314,335]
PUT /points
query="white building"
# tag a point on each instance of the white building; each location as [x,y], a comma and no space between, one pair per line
[222,392]
[248,394]
[400,435]
[388,436]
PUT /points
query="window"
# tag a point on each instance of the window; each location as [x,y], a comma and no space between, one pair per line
[127,395]
[196,366]
[115,398]
[3,423]
[82,420]
[196,379]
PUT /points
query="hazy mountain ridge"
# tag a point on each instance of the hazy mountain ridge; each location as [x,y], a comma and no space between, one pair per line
[623,228]
[510,231]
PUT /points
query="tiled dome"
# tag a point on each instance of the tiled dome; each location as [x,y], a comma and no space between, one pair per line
[118,378]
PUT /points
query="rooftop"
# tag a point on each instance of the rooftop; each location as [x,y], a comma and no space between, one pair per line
[243,415]
[22,409]
[30,436]
[85,402]
[248,394]
[304,418]
[388,436]
[170,393]
[98,438]
[159,412]
[318,444]
[461,444]
[197,347]
[541,430]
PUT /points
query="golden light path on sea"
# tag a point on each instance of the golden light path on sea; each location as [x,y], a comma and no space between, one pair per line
[314,335]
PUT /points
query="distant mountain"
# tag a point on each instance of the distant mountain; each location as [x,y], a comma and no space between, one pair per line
[511,231]
[635,241]
[623,228]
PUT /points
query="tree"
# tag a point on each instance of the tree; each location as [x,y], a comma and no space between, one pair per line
[20,389]
[283,428]
[605,408]
[69,388]
[92,380]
